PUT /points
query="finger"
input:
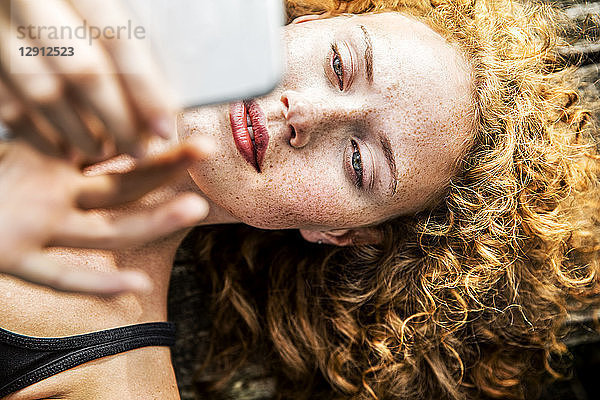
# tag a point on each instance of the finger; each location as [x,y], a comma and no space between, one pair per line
[15,89]
[104,96]
[29,124]
[24,131]
[111,190]
[65,115]
[99,231]
[89,71]
[41,269]
[34,131]
[147,87]
[11,108]
[34,86]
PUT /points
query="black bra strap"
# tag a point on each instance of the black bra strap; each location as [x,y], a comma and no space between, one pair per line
[49,356]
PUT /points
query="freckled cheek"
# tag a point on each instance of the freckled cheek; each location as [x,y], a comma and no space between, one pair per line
[304,195]
[295,189]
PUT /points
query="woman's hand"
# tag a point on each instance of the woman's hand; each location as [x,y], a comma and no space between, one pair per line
[87,107]
[48,202]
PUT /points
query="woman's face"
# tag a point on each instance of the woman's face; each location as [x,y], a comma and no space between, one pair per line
[367,124]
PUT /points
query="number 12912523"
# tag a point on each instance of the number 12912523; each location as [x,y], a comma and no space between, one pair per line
[56,51]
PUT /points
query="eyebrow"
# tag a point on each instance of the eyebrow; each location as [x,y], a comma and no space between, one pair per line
[389,157]
[368,53]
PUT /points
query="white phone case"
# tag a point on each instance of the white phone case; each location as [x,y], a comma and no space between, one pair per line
[215,50]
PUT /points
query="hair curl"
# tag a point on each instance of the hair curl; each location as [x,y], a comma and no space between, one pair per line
[463,300]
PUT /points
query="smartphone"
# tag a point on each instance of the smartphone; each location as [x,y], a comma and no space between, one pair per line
[214,51]
[210,51]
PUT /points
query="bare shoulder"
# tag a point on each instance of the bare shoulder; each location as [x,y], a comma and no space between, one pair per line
[34,310]
[140,373]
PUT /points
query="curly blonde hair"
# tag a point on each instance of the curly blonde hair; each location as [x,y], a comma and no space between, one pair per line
[463,300]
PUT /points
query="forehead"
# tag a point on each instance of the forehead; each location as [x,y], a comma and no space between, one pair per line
[415,67]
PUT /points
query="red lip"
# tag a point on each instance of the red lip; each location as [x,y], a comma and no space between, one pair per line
[253,153]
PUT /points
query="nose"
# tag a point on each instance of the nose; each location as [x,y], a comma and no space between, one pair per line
[305,114]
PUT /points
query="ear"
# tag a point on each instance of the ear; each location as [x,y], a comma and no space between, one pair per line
[344,237]
[310,17]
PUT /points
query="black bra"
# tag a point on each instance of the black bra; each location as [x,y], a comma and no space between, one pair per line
[25,360]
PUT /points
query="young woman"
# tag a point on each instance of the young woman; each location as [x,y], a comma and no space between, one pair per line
[433,193]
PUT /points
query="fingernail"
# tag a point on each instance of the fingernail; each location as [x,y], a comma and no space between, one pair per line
[137,281]
[196,208]
[206,144]
[164,127]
